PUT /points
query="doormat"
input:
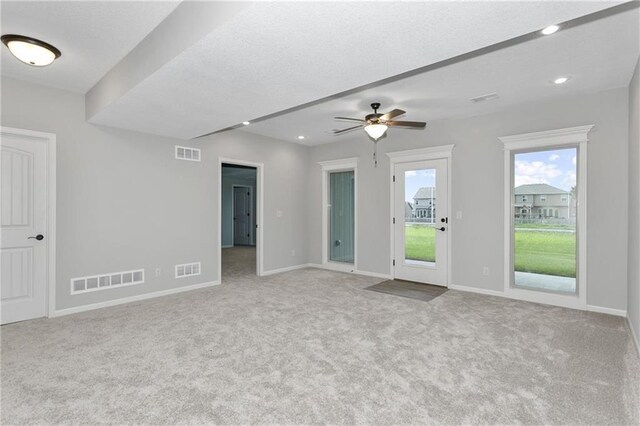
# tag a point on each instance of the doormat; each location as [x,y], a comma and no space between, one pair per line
[412,290]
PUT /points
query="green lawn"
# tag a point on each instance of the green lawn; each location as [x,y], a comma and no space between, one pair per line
[419,243]
[551,253]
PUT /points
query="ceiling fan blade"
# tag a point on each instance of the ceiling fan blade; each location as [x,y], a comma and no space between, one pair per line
[389,115]
[350,119]
[417,124]
[337,132]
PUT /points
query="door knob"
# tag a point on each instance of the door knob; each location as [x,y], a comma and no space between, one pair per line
[38,237]
[441,229]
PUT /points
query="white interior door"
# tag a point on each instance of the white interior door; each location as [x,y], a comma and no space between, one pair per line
[421,222]
[242,228]
[23,218]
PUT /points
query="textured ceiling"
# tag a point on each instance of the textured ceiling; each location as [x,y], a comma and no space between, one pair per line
[92,35]
[597,56]
[276,55]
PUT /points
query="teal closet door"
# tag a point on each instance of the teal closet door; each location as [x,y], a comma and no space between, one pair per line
[341,217]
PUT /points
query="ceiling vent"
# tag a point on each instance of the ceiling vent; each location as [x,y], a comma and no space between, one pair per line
[189,154]
[489,97]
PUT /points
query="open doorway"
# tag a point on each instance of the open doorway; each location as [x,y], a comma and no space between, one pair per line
[240,206]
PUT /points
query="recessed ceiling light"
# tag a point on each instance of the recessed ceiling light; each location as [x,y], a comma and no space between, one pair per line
[30,50]
[560,80]
[550,29]
[300,137]
[246,123]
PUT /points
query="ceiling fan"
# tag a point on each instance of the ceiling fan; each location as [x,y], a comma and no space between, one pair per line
[376,124]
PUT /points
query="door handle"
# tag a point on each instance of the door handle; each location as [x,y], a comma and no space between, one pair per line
[441,229]
[38,237]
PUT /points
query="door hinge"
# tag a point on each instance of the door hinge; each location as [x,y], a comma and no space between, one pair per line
[394,178]
[394,262]
[394,220]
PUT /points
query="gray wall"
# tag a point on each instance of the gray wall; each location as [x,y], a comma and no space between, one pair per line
[124,202]
[477,179]
[231,177]
[633,306]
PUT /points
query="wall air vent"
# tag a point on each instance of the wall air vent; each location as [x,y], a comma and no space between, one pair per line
[489,97]
[106,281]
[188,154]
[187,270]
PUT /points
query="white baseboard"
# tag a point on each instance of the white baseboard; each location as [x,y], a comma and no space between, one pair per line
[610,311]
[634,335]
[285,269]
[484,291]
[591,308]
[115,302]
[330,267]
[374,274]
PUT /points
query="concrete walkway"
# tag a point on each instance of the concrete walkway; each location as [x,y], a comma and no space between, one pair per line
[545,282]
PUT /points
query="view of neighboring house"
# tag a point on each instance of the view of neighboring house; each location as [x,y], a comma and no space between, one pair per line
[541,201]
[424,203]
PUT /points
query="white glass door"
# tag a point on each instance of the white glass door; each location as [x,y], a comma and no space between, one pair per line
[421,222]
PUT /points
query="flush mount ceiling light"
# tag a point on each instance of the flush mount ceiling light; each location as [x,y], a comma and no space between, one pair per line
[550,29]
[30,50]
[560,80]
[246,123]
[300,137]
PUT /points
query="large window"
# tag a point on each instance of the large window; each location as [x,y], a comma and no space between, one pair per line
[544,245]
[545,249]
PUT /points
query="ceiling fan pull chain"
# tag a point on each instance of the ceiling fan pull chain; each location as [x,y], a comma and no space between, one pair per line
[375,154]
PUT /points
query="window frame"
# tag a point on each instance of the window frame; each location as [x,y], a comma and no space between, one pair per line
[573,137]
[328,167]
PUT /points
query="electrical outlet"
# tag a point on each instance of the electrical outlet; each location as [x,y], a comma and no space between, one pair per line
[459,214]
[158,272]
[485,271]
[278,213]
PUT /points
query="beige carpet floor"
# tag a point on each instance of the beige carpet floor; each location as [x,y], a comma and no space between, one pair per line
[312,347]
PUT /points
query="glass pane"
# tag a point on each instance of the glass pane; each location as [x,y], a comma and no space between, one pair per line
[341,217]
[544,212]
[420,215]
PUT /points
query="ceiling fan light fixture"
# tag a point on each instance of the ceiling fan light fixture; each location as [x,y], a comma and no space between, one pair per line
[31,51]
[376,131]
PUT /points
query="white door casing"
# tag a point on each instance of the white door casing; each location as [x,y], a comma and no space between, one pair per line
[428,272]
[27,202]
[415,155]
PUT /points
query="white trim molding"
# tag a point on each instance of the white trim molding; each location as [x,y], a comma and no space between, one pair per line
[121,301]
[51,147]
[285,269]
[576,137]
[344,164]
[260,212]
[547,138]
[496,293]
[330,267]
[410,156]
